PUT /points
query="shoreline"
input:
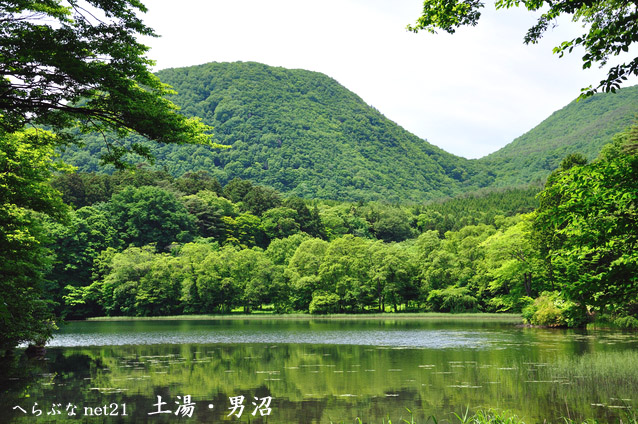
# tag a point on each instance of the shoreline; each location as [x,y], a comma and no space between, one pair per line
[513,318]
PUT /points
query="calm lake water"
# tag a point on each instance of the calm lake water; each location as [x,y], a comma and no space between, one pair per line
[321,371]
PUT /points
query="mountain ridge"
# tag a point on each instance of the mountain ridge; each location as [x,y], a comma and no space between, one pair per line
[304,134]
[582,126]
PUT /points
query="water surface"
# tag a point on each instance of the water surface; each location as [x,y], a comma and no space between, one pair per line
[318,371]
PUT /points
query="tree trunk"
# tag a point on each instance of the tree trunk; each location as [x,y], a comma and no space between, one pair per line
[527,283]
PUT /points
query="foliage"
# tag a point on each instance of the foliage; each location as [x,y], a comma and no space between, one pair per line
[544,311]
[626,323]
[211,214]
[452,299]
[583,126]
[72,67]
[252,248]
[302,134]
[612,27]
[25,199]
[76,245]
[486,206]
[550,309]
[591,210]
[512,262]
[82,65]
[324,303]
[149,215]
[280,222]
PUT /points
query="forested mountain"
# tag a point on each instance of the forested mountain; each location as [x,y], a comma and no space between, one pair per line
[301,133]
[305,135]
[583,126]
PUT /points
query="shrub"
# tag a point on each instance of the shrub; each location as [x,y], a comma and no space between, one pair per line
[626,323]
[324,303]
[551,310]
[452,299]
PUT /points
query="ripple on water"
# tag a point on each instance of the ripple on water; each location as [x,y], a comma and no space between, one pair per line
[385,338]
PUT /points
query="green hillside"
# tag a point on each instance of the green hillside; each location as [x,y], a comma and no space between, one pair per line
[301,133]
[304,134]
[580,127]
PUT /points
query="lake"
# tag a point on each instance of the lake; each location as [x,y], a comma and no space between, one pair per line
[320,371]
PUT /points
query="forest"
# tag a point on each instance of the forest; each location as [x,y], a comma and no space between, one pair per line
[144,243]
[281,190]
[304,134]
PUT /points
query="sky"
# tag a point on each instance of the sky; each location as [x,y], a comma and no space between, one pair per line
[469,93]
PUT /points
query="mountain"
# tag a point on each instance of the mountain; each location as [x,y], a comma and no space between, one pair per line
[583,126]
[301,133]
[304,134]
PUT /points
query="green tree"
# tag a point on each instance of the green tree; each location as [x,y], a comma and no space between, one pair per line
[260,199]
[593,214]
[69,66]
[81,64]
[216,289]
[394,274]
[194,182]
[513,266]
[76,245]
[280,251]
[258,279]
[237,189]
[545,236]
[452,299]
[303,272]
[345,271]
[209,211]
[122,275]
[83,189]
[159,290]
[248,232]
[25,198]
[393,226]
[611,28]
[280,222]
[150,215]
[191,257]
[440,270]
[309,220]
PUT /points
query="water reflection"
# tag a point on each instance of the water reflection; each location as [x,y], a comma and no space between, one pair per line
[533,373]
[433,334]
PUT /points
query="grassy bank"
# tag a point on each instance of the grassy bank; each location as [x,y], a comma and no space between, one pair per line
[505,318]
[490,417]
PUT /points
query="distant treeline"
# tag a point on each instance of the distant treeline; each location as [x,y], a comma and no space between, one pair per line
[144,243]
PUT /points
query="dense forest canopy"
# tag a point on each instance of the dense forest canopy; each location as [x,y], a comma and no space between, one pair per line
[218,248]
[303,133]
[321,204]
[145,243]
[584,126]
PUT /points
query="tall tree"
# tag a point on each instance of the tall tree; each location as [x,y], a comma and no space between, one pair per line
[25,196]
[78,63]
[73,66]
[591,209]
[150,215]
[611,28]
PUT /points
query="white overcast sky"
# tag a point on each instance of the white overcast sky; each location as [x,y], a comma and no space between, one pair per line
[469,93]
